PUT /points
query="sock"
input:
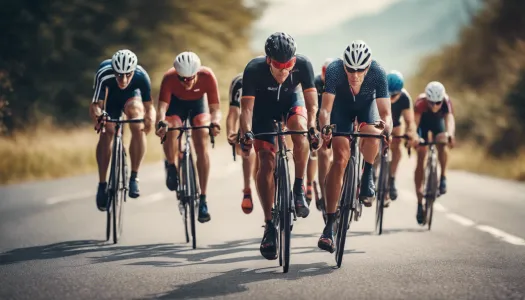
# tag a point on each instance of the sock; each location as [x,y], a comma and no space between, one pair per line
[133,174]
[330,219]
[202,199]
[298,185]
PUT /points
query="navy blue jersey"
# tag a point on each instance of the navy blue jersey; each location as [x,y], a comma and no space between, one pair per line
[374,85]
[105,77]
[258,81]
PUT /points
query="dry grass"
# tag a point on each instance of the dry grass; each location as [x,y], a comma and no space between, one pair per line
[474,159]
[49,152]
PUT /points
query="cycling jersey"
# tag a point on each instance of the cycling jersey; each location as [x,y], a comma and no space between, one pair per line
[431,121]
[399,106]
[183,103]
[273,100]
[236,90]
[319,85]
[139,86]
[348,106]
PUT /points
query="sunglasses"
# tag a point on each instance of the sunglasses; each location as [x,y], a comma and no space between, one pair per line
[185,79]
[121,75]
[286,65]
[436,103]
[350,70]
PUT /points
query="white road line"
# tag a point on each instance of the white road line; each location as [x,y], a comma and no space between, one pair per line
[509,238]
[69,197]
[460,219]
[439,207]
[153,198]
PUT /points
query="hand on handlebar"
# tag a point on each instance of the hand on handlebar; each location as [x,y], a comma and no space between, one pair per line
[162,129]
[101,122]
[215,128]
[233,138]
[314,138]
[246,142]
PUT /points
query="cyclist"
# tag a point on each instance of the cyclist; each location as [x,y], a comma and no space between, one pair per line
[182,91]
[323,154]
[433,112]
[232,128]
[269,90]
[356,88]
[401,106]
[121,85]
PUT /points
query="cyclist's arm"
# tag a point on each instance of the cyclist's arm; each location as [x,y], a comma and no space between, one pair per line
[385,111]
[147,99]
[417,118]
[232,120]
[383,100]
[450,124]
[326,109]
[164,99]
[309,91]
[234,111]
[408,116]
[213,98]
[248,97]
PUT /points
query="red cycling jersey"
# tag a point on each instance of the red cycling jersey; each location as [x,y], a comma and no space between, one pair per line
[422,106]
[206,83]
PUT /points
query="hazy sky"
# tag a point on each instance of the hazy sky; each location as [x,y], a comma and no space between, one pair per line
[310,16]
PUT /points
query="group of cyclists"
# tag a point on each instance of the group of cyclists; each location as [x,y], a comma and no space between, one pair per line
[352,92]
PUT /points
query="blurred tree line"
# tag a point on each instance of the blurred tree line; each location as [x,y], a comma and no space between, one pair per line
[50,49]
[485,74]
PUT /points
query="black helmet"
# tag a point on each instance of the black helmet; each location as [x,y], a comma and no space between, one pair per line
[280,46]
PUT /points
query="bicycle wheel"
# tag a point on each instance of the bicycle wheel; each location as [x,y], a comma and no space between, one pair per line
[286,197]
[432,190]
[116,191]
[347,194]
[381,194]
[183,190]
[123,188]
[191,197]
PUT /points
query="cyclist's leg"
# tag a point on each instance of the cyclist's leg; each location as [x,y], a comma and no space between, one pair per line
[395,147]
[334,177]
[103,151]
[311,169]
[439,132]
[297,119]
[201,138]
[369,148]
[175,115]
[134,109]
[419,173]
[248,166]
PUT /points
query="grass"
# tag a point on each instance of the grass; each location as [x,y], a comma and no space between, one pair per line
[49,152]
[473,159]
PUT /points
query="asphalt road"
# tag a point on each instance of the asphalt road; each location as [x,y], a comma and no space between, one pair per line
[51,245]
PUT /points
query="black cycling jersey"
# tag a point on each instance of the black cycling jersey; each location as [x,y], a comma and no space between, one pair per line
[236,90]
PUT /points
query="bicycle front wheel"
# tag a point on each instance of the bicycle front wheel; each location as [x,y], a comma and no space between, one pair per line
[381,194]
[347,194]
[192,198]
[286,197]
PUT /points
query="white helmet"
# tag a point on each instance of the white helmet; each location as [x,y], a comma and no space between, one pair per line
[435,91]
[187,64]
[124,61]
[357,55]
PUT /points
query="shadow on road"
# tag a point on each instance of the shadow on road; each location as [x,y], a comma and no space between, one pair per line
[180,254]
[235,281]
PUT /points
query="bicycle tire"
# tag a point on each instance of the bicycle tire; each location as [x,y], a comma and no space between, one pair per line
[115,188]
[381,194]
[123,190]
[192,195]
[345,206]
[286,196]
[433,184]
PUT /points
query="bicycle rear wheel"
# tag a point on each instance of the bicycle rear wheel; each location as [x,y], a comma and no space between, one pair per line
[347,194]
[286,198]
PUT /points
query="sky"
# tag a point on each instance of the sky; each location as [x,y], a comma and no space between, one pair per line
[312,16]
